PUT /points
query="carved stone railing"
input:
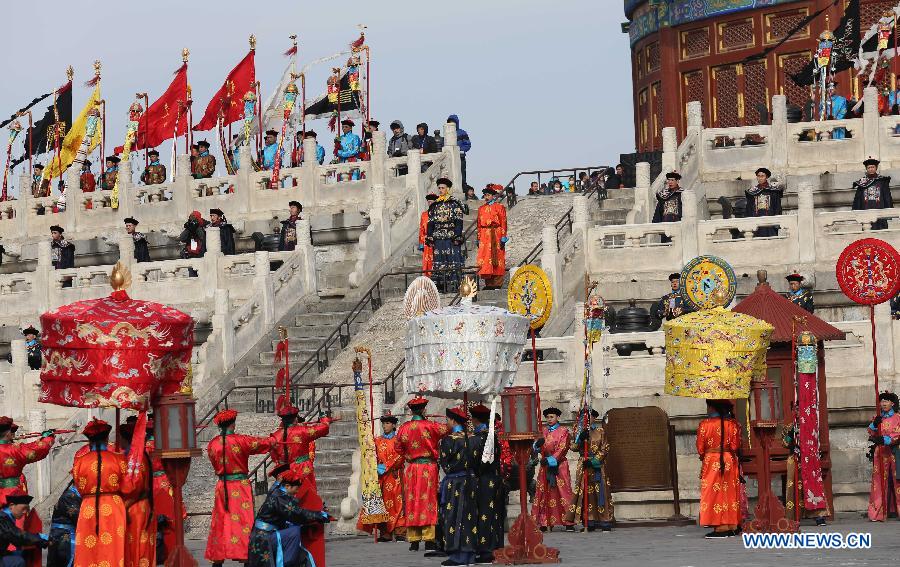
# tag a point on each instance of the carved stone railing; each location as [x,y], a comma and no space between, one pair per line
[244,196]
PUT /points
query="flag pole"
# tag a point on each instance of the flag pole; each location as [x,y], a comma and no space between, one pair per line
[30,150]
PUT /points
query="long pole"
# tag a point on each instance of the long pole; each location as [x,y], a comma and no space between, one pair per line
[874,352]
[537,385]
[303,107]
[30,149]
[144,141]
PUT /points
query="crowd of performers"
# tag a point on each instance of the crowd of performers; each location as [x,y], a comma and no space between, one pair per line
[442,242]
[445,487]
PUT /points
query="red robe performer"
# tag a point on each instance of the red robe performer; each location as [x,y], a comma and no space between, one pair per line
[102,479]
[884,430]
[294,445]
[163,497]
[718,440]
[390,477]
[417,441]
[491,259]
[13,458]
[553,491]
[140,513]
[232,515]
[427,251]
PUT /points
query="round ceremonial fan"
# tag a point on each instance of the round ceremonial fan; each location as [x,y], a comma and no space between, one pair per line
[421,296]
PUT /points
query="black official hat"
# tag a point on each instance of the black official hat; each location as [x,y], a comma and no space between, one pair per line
[18,498]
[871,161]
[444,181]
[889,396]
[86,162]
[488,191]
[132,220]
[374,123]
[674,276]
[310,134]
[431,197]
[764,170]
[552,411]
[38,166]
[30,330]
[794,278]
[348,122]
[153,153]
[57,228]
[388,418]
[295,204]
[271,133]
[114,159]
[673,175]
[216,212]
[203,144]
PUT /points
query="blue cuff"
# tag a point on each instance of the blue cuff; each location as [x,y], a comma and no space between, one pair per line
[421,247]
[44,537]
[504,240]
[887,439]
[872,426]
[381,468]
[551,461]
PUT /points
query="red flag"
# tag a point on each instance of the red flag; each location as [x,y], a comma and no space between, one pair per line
[158,123]
[229,99]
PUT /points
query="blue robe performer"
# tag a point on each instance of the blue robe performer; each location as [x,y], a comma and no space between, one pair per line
[764,200]
[445,236]
[270,150]
[797,295]
[349,146]
[838,111]
[61,552]
[275,540]
[457,505]
[873,192]
[490,491]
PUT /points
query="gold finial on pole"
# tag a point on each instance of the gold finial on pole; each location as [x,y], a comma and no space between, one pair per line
[293,39]
[120,277]
[252,42]
[97,66]
[185,53]
[70,73]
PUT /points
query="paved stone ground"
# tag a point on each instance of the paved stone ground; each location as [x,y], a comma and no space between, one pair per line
[636,546]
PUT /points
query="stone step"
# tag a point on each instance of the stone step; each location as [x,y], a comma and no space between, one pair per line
[327,318]
[329,305]
[315,331]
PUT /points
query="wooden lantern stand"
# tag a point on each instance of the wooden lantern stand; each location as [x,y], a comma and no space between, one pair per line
[768,516]
[176,445]
[526,541]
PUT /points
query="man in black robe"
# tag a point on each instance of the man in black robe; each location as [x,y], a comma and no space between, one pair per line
[445,236]
[764,200]
[873,192]
[672,305]
[141,249]
[490,491]
[797,295]
[61,552]
[17,504]
[275,538]
[287,239]
[62,252]
[668,202]
[226,230]
[457,506]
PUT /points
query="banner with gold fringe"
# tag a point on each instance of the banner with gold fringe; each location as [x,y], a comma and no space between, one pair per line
[372,509]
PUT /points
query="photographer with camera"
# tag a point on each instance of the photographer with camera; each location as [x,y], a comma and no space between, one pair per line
[884,434]
[193,236]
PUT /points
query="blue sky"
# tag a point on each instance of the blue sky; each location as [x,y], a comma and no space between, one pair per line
[536,84]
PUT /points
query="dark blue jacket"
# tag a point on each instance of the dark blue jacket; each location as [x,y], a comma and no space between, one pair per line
[462,137]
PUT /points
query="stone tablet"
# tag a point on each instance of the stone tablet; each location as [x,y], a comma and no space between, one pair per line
[639,452]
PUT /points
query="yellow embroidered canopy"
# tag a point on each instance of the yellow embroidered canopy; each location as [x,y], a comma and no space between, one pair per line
[715,353]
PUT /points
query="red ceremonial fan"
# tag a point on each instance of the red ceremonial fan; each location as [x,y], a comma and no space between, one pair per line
[868,272]
[114,351]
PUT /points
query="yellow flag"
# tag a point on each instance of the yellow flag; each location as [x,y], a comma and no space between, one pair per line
[74,138]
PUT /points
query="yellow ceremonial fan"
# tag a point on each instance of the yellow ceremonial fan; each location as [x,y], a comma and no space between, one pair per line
[531,295]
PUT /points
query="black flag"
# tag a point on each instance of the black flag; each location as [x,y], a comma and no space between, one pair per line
[846,46]
[33,102]
[40,140]
[349,100]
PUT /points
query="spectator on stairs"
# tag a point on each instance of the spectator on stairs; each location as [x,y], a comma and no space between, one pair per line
[193,236]
[464,143]
[422,140]
[399,145]
[226,230]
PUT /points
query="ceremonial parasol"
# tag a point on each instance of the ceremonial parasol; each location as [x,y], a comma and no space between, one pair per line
[464,349]
[114,351]
[713,353]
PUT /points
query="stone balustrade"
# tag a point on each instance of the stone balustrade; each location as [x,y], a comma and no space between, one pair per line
[244,196]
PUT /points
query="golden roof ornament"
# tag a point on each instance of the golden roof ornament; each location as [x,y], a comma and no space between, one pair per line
[252,42]
[97,67]
[185,53]
[70,73]
[120,277]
